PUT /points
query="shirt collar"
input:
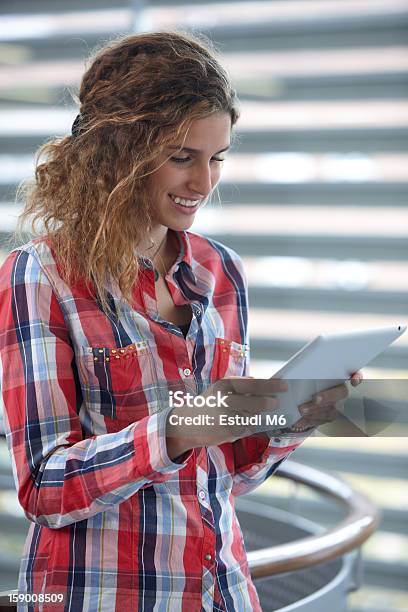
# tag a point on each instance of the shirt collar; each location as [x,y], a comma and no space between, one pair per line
[184,256]
[185,249]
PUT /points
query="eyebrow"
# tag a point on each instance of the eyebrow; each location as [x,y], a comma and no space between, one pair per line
[190,150]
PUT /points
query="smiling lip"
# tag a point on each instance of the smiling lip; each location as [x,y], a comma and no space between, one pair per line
[185,197]
[186,210]
[191,201]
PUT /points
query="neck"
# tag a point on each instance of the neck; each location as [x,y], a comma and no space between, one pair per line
[158,237]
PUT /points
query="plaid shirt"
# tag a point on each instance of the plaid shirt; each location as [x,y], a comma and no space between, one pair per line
[115,524]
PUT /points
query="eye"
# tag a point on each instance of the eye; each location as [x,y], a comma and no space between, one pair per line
[180,160]
[183,160]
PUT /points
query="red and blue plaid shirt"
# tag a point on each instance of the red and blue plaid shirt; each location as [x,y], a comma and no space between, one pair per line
[115,524]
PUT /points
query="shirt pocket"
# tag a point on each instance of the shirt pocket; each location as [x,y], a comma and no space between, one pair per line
[229,359]
[119,382]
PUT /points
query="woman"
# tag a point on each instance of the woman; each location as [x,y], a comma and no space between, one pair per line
[109,312]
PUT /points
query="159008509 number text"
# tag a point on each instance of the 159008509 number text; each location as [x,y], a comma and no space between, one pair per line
[36,597]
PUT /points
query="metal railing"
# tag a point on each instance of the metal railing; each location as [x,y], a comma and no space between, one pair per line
[361,521]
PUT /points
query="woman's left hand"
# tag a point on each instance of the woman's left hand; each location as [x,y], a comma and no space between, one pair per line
[325,404]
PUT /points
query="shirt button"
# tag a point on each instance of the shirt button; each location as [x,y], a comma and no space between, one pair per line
[201,495]
[208,557]
[186,371]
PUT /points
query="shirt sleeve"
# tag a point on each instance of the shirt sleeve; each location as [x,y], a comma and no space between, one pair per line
[62,477]
[256,457]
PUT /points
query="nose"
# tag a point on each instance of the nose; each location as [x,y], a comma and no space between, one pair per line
[201,180]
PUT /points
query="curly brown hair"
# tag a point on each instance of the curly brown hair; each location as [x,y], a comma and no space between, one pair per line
[139,94]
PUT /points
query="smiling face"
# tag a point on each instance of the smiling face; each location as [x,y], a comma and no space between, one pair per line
[179,187]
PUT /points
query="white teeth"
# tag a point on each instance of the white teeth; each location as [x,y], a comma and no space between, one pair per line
[183,202]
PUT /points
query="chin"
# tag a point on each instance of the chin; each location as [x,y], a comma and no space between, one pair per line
[180,227]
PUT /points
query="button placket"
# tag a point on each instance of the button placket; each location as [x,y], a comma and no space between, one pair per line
[203,496]
[183,357]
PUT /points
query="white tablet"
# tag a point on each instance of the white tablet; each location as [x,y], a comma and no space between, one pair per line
[329,360]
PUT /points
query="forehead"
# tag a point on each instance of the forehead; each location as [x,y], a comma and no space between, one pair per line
[209,132]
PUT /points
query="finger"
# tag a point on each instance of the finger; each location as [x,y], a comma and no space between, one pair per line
[307,408]
[331,396]
[303,423]
[312,411]
[318,416]
[257,386]
[331,414]
[356,378]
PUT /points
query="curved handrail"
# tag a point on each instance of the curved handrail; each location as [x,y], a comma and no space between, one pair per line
[362,520]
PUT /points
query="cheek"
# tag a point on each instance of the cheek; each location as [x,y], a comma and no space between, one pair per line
[215,175]
[162,179]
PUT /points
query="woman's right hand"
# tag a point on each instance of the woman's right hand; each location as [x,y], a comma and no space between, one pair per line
[241,397]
